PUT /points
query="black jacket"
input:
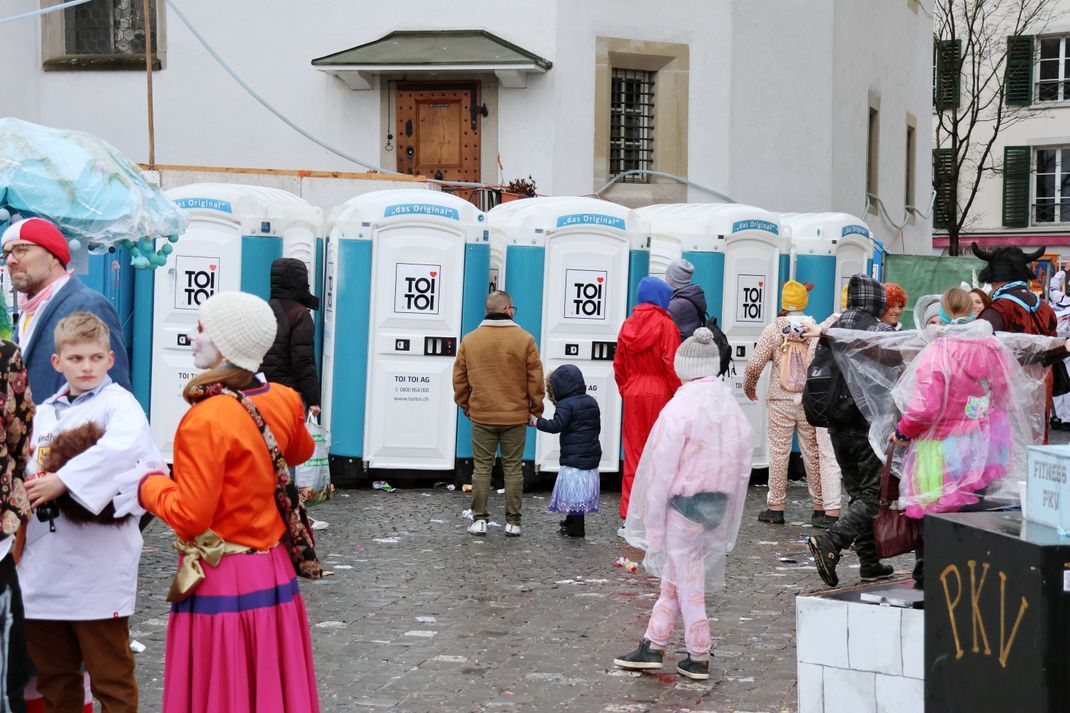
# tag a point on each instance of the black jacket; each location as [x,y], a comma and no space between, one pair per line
[576,417]
[291,361]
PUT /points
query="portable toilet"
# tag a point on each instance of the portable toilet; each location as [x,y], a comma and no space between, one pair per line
[112,275]
[572,268]
[235,233]
[826,249]
[406,278]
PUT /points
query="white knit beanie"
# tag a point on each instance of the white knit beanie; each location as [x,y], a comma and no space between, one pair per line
[242,327]
[698,356]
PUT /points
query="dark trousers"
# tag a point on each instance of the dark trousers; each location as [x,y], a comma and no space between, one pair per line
[15,661]
[58,650]
[862,480]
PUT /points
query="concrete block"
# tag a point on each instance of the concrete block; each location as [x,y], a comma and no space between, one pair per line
[873,639]
[896,694]
[913,637]
[849,691]
[821,628]
[810,688]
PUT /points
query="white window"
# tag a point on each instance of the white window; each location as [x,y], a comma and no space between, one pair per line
[1053,69]
[631,123]
[1051,199]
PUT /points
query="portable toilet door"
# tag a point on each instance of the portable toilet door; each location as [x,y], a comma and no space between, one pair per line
[428,259]
[756,260]
[234,235]
[828,248]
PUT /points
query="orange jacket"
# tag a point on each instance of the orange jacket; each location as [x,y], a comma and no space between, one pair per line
[223,478]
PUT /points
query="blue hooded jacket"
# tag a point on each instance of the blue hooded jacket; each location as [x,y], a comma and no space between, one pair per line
[576,417]
[654,291]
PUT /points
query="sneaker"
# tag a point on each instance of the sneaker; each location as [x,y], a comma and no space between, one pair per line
[697,670]
[871,572]
[478,527]
[825,557]
[775,517]
[319,524]
[643,658]
[512,530]
[620,532]
[817,519]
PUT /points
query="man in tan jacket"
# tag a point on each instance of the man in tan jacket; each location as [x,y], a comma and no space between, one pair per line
[498,383]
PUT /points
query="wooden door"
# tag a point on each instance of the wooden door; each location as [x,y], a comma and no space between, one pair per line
[438,131]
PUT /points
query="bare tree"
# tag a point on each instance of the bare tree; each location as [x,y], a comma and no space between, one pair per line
[972,39]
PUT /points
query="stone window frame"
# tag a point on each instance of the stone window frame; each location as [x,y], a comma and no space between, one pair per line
[54,55]
[670,62]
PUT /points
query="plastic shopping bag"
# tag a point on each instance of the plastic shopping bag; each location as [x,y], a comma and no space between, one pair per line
[313,477]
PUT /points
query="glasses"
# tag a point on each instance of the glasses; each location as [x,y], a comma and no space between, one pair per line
[512,307]
[18,252]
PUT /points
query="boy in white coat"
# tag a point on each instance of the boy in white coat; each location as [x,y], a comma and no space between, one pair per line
[79,576]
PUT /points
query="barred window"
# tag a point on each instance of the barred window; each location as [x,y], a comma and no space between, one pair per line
[631,123]
[1053,70]
[108,27]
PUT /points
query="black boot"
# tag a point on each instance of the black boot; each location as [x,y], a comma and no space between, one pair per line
[574,526]
[774,516]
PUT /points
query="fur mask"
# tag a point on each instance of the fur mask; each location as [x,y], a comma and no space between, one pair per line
[62,449]
[1006,264]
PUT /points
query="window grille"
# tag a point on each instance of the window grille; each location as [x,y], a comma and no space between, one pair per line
[1053,70]
[631,123]
[108,27]
[1052,197]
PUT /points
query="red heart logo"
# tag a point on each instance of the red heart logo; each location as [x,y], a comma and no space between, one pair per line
[433,274]
[212,268]
[600,279]
[760,284]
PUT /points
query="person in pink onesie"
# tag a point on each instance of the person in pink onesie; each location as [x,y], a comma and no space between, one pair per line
[687,502]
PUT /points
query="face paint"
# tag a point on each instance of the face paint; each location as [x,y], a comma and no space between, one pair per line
[205,353]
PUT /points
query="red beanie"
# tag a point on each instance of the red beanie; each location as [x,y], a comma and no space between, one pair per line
[40,232]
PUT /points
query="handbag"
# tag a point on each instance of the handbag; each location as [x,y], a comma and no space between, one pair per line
[894,532]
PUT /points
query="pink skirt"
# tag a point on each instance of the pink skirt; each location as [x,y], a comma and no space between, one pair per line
[241,641]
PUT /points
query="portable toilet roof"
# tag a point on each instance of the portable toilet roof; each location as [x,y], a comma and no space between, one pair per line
[251,206]
[518,220]
[819,233]
[400,203]
[705,226]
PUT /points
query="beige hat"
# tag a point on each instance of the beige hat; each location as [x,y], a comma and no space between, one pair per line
[241,325]
[698,356]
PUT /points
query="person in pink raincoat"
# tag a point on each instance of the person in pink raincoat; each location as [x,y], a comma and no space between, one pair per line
[687,502]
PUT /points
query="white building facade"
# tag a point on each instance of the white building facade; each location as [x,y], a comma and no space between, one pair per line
[792,106]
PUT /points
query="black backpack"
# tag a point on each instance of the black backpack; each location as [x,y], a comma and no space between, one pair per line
[826,399]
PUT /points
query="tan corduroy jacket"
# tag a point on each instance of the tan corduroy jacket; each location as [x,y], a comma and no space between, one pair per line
[497,378]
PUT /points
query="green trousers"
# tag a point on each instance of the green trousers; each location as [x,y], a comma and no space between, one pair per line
[485,443]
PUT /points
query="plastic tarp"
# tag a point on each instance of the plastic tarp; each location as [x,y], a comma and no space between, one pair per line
[975,400]
[927,274]
[83,184]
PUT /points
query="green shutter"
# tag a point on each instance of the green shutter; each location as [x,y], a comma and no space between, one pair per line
[944,183]
[1016,168]
[1019,78]
[947,85]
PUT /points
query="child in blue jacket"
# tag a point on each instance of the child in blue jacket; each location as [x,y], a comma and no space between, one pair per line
[579,421]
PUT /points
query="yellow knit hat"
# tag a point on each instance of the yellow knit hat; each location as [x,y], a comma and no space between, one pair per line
[843,299]
[794,297]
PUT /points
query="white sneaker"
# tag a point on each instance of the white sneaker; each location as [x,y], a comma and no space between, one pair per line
[512,530]
[319,524]
[478,527]
[620,532]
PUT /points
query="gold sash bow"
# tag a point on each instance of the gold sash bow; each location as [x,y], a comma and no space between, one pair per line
[207,546]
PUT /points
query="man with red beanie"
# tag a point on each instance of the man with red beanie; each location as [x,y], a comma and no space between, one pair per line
[36,255]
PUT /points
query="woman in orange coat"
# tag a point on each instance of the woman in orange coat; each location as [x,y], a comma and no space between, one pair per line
[643,367]
[237,637]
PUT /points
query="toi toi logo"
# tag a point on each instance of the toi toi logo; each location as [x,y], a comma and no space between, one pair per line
[198,280]
[585,293]
[416,288]
[751,298]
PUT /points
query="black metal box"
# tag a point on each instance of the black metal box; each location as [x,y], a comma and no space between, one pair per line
[997,615]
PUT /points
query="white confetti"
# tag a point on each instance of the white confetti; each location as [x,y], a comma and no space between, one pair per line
[386,540]
[331,625]
[420,633]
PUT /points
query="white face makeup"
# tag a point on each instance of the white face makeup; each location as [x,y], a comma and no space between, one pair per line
[205,353]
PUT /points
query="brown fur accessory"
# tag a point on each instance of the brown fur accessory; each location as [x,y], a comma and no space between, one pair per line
[61,450]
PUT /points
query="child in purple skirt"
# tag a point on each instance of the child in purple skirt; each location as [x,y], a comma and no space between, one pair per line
[579,421]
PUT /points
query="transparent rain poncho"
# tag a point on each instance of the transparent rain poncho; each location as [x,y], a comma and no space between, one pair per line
[687,498]
[970,401]
[87,187]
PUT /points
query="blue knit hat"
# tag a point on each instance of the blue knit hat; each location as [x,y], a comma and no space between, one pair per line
[655,291]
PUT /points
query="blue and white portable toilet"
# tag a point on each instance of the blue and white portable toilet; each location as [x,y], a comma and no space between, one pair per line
[572,268]
[235,233]
[826,249]
[406,279]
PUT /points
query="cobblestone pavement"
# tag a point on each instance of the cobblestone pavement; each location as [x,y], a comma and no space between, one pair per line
[421,616]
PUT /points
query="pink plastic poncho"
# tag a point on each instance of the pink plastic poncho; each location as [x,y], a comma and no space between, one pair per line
[700,444]
[970,401]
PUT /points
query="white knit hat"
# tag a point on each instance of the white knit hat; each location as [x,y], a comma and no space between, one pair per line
[698,356]
[242,327]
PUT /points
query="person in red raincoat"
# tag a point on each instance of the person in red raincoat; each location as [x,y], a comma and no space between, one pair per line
[643,367]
